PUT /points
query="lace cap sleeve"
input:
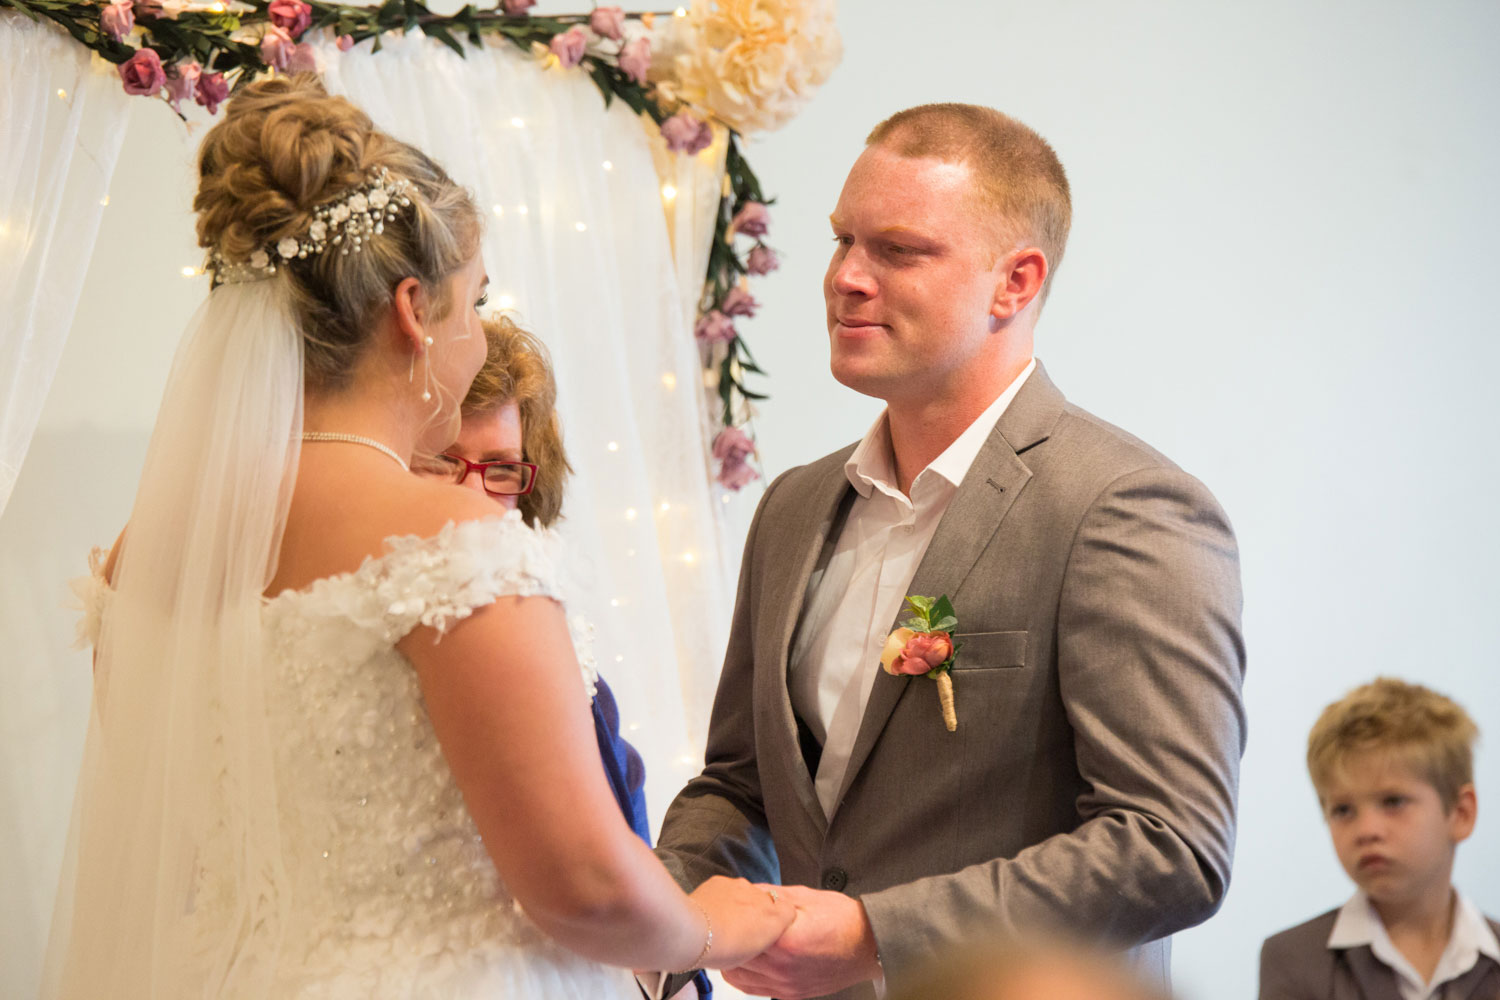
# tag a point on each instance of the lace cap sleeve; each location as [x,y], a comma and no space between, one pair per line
[441,580]
[91,595]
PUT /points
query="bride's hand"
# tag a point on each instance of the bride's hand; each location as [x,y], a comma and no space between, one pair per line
[746,919]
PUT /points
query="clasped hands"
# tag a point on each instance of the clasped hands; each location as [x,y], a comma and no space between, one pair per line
[827,946]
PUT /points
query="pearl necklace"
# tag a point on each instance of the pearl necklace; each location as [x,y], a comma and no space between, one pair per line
[355,439]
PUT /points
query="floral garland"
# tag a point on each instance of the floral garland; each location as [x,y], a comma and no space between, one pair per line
[179,50]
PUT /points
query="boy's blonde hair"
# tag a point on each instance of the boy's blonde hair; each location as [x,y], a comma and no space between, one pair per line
[1425,730]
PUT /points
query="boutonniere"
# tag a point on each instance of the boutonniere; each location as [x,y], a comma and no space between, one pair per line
[924,645]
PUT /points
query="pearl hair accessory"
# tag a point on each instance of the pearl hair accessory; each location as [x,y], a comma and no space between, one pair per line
[347,224]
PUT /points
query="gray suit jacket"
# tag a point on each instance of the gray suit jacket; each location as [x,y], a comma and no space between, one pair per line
[1297,964]
[1091,783]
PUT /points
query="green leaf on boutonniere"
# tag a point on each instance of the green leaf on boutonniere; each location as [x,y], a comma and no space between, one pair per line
[921,605]
[943,608]
[947,624]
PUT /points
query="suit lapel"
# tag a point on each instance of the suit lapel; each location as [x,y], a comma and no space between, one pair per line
[797,550]
[985,496]
[1375,979]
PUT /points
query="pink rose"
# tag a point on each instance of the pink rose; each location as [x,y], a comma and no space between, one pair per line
[569,46]
[752,219]
[182,80]
[292,16]
[346,42]
[687,134]
[517,8]
[763,260]
[635,59]
[734,449]
[738,303]
[276,47]
[212,91]
[142,73]
[116,19]
[608,22]
[301,59]
[715,328]
[921,652]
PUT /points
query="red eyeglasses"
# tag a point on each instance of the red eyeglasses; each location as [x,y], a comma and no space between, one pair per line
[500,479]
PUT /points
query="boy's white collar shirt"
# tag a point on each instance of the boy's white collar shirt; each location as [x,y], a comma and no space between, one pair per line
[1358,924]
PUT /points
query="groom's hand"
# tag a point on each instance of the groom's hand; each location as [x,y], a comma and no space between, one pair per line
[828,946]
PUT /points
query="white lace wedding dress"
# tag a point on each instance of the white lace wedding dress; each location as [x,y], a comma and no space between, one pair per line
[395,894]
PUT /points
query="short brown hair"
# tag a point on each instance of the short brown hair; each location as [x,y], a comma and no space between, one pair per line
[1425,730]
[1021,176]
[516,369]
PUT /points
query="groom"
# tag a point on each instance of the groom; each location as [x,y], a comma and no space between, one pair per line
[1090,784]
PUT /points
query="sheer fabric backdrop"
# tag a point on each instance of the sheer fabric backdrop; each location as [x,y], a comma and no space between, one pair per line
[62,119]
[607,299]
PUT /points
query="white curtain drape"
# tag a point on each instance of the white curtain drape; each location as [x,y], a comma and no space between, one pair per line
[62,119]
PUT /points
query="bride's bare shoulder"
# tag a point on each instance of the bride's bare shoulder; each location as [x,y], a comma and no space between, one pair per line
[330,532]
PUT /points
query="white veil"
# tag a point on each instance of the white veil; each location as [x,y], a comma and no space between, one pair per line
[172,881]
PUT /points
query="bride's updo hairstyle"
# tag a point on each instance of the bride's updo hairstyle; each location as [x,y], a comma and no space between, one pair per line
[284,148]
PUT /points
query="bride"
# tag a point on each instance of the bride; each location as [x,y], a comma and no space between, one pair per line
[340,743]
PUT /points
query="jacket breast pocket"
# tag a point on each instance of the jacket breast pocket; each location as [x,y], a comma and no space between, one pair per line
[990,650]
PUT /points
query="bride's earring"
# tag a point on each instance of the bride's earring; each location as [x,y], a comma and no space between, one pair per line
[426,372]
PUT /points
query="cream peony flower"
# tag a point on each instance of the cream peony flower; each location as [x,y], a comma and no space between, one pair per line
[754,63]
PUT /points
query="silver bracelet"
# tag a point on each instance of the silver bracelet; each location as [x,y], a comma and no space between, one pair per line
[708,943]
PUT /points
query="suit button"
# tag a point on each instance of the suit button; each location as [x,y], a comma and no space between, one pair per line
[834,879]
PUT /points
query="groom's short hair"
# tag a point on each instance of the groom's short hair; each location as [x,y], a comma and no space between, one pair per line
[1021,177]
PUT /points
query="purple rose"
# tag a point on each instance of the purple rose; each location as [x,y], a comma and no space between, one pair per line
[517,8]
[635,59]
[686,134]
[182,79]
[116,19]
[715,328]
[608,22]
[292,16]
[212,91]
[569,46]
[734,449]
[763,260]
[738,303]
[276,47]
[142,73]
[752,219]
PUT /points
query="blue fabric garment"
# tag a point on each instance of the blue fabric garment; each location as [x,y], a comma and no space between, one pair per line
[627,779]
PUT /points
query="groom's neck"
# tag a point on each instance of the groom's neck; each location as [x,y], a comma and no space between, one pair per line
[922,427]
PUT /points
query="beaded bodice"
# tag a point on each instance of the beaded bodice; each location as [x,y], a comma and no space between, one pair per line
[389,871]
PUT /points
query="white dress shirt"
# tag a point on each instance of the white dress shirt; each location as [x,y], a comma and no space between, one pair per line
[851,602]
[1359,924]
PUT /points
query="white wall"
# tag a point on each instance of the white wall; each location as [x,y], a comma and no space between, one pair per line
[1283,246]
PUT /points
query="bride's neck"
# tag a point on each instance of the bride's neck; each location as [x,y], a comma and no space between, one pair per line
[366,412]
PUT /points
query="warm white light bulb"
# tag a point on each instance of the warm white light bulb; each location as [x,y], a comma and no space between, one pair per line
[523,209]
[518,122]
[499,209]
[669,380]
[579,226]
[505,302]
[668,192]
[665,506]
[630,513]
[189,272]
[608,165]
[613,446]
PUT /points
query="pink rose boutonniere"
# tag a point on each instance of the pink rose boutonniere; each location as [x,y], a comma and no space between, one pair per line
[924,645]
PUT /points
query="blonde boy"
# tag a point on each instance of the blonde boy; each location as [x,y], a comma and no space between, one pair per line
[1393,765]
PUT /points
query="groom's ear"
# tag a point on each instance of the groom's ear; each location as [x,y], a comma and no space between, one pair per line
[1021,275]
[411,305]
